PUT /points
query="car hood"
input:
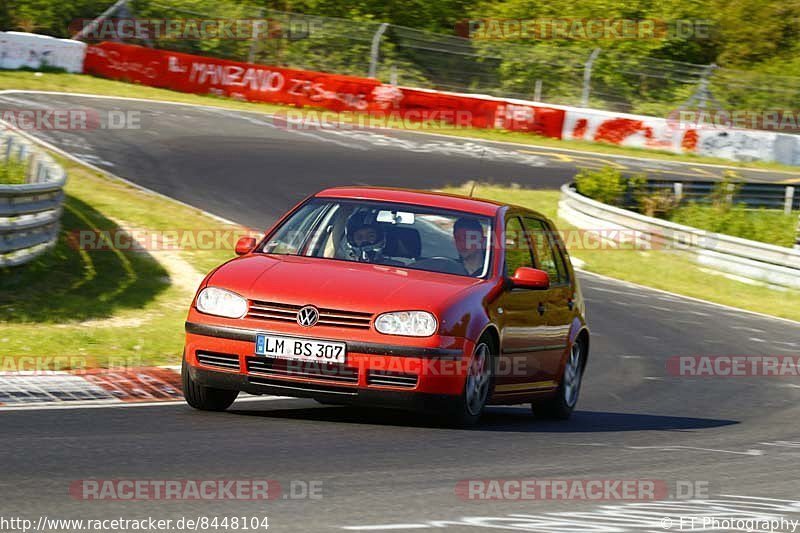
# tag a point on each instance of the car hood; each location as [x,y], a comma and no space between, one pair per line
[337,284]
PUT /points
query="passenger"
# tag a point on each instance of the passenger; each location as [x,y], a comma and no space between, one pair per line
[470,242]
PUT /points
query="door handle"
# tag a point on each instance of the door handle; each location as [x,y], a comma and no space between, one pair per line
[541,308]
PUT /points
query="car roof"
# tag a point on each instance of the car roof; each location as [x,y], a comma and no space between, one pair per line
[438,200]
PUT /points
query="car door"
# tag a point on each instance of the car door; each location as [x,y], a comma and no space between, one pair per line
[558,299]
[523,325]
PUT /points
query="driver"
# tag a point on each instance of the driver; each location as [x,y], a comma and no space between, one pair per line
[470,242]
[365,237]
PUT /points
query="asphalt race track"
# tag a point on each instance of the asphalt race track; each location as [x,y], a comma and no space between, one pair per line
[383,470]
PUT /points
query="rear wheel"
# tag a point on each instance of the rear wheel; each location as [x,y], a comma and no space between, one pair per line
[477,385]
[560,406]
[202,397]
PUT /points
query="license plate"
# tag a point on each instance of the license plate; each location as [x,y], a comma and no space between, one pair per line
[300,349]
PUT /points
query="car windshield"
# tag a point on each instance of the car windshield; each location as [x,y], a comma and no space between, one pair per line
[386,234]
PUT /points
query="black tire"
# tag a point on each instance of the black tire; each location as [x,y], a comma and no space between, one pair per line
[202,397]
[468,409]
[561,405]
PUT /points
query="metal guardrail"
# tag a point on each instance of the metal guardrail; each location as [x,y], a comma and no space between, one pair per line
[29,212]
[769,195]
[758,261]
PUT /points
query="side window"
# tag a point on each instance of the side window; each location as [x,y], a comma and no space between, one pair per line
[518,252]
[548,256]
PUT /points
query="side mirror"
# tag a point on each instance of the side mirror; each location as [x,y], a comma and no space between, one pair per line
[245,245]
[530,278]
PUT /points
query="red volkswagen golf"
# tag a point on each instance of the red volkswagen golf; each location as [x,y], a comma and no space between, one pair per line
[396,298]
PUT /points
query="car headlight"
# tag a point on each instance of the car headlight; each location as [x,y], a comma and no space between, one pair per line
[214,301]
[410,323]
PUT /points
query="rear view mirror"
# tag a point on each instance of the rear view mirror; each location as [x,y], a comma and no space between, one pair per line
[395,217]
[245,245]
[530,278]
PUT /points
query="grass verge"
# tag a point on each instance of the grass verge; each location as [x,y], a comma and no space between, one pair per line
[771,226]
[100,305]
[80,83]
[669,270]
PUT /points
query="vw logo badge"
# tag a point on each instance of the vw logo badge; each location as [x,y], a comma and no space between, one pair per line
[308,316]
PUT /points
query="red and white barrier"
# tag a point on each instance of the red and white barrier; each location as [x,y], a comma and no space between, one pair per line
[261,83]
[621,129]
[258,83]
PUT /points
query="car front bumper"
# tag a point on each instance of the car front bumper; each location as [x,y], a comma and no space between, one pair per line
[401,375]
[411,400]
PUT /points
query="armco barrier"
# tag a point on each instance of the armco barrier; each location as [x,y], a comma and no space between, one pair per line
[29,213]
[749,259]
[18,50]
[769,195]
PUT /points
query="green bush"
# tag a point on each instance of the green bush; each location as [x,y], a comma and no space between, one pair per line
[605,185]
[609,186]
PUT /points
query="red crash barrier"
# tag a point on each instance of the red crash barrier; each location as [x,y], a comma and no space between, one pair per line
[466,111]
[261,83]
[203,75]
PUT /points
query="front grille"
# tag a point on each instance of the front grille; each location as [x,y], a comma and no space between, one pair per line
[219,360]
[333,372]
[391,379]
[327,317]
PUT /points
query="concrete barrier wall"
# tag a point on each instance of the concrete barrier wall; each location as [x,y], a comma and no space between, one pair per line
[739,145]
[621,129]
[19,50]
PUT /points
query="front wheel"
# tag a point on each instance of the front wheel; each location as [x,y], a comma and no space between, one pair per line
[202,397]
[477,385]
[560,406]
